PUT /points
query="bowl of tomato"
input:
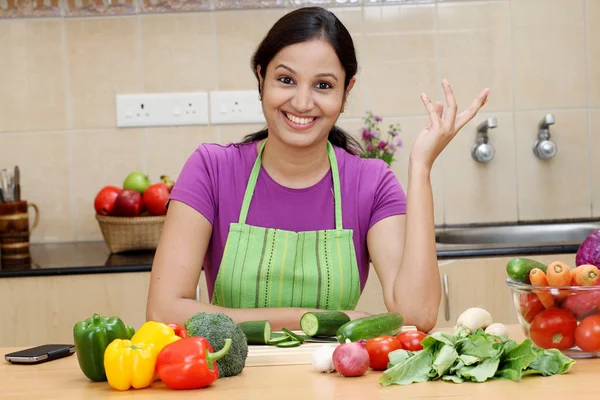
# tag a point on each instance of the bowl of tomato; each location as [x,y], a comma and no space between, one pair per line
[564,317]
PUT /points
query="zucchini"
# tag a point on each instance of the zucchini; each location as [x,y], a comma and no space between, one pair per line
[322,323]
[366,328]
[518,269]
[257,332]
[290,343]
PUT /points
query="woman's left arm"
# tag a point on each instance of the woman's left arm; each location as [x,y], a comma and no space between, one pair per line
[408,272]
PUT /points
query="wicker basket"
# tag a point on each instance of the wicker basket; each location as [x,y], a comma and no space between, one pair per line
[128,234]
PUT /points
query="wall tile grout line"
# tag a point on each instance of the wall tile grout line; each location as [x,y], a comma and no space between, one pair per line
[514,103]
[438,73]
[140,49]
[589,104]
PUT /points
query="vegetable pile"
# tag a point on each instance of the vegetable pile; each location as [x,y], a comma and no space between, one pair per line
[559,315]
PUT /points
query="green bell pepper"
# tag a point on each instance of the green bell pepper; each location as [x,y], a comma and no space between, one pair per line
[92,336]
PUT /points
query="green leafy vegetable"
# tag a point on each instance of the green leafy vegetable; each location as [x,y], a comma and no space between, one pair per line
[477,357]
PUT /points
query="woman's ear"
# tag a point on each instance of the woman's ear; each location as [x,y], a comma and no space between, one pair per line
[260,80]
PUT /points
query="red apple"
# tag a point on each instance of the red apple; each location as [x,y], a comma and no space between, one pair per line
[155,199]
[104,203]
[129,203]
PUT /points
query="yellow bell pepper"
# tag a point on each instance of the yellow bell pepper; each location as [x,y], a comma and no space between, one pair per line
[132,363]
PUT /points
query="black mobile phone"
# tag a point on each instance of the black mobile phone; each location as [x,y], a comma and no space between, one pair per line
[40,354]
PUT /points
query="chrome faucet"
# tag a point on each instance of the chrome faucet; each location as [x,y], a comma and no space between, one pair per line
[545,148]
[482,151]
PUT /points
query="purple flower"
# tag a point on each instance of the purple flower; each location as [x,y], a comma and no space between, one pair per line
[370,148]
[382,144]
[374,134]
[394,133]
[400,144]
[366,134]
[378,119]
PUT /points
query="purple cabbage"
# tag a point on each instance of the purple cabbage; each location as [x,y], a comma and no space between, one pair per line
[589,250]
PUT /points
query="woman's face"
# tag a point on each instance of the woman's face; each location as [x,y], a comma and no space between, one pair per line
[303,93]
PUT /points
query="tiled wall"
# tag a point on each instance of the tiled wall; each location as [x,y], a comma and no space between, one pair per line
[59,75]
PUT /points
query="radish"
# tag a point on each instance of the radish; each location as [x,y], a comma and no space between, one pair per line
[472,319]
[351,358]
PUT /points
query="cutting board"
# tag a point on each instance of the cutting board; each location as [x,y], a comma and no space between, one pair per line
[260,356]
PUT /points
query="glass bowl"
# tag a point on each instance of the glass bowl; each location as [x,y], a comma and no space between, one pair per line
[565,318]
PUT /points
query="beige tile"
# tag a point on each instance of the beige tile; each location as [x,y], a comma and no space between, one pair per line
[481,192]
[33,94]
[102,158]
[593,50]
[235,47]
[558,187]
[410,128]
[169,148]
[351,17]
[396,69]
[542,30]
[399,18]
[595,160]
[178,52]
[483,58]
[43,160]
[236,133]
[103,61]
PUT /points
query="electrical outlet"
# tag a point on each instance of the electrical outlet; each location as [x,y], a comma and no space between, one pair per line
[162,109]
[236,107]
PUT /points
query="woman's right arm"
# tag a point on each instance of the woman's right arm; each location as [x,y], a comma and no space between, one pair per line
[176,272]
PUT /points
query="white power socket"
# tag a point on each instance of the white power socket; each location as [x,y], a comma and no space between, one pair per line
[235,107]
[162,109]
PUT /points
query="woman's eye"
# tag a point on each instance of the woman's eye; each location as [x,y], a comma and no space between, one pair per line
[323,85]
[286,80]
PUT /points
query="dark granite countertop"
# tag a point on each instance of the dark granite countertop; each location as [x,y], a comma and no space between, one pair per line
[95,258]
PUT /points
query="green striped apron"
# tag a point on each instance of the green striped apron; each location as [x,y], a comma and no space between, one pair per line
[266,267]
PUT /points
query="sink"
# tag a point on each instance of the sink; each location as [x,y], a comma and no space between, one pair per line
[518,235]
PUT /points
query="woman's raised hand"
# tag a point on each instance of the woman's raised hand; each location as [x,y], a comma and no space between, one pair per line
[442,128]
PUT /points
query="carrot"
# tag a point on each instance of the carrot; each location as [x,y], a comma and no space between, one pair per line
[585,275]
[538,278]
[558,274]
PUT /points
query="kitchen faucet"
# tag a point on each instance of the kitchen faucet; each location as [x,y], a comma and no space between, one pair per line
[544,148]
[482,151]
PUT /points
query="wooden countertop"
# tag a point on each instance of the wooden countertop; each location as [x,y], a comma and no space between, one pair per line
[62,379]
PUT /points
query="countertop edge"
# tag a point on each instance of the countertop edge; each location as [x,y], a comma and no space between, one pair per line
[75,271]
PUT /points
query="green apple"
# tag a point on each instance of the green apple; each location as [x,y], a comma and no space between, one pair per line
[137,181]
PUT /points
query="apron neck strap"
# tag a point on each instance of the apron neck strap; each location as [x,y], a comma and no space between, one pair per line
[334,173]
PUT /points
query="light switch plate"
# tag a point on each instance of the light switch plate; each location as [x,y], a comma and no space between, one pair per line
[162,109]
[235,107]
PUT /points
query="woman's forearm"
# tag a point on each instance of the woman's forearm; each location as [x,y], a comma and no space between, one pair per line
[417,285]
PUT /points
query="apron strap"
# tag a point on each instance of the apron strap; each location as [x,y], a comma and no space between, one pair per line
[334,173]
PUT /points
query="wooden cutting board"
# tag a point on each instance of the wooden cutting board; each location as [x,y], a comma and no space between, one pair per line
[260,356]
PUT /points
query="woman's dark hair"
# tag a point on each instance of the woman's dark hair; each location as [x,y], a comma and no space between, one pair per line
[301,25]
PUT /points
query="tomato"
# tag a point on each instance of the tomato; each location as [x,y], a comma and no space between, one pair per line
[587,334]
[530,306]
[155,198]
[411,340]
[379,348]
[553,328]
[104,203]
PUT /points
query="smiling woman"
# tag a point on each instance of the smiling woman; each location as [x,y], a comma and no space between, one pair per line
[295,225]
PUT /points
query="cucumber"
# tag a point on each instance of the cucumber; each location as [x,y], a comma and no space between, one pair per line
[290,343]
[257,332]
[279,339]
[323,323]
[385,324]
[292,335]
[518,269]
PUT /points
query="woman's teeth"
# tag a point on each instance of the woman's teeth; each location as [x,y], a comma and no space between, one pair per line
[299,121]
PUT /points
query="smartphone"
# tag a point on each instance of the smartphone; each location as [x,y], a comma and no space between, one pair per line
[40,354]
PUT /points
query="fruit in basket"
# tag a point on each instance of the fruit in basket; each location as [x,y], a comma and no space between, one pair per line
[129,203]
[554,328]
[589,250]
[155,198]
[137,181]
[104,203]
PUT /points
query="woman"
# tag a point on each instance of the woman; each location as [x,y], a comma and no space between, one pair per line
[288,220]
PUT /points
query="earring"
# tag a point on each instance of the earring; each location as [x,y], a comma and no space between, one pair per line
[343,106]
[260,97]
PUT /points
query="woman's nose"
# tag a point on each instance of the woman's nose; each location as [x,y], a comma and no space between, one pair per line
[302,100]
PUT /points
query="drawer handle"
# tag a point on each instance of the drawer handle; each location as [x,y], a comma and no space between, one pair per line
[446,299]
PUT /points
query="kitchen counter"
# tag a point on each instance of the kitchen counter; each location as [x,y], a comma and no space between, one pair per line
[62,379]
[75,258]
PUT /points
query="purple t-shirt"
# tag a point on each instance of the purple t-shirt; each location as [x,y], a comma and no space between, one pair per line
[214,179]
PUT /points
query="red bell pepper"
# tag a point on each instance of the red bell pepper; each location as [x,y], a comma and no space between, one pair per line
[189,363]
[179,330]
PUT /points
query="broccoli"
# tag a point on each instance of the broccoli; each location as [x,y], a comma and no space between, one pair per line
[217,327]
